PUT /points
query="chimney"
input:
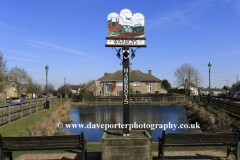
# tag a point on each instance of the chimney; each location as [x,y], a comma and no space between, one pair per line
[111,23]
[150,72]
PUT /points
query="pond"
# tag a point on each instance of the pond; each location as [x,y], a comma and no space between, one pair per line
[90,117]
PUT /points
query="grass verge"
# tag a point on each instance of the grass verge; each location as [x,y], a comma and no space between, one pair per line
[23,126]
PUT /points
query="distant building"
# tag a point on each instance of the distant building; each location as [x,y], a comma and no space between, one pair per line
[111,84]
[193,89]
[235,87]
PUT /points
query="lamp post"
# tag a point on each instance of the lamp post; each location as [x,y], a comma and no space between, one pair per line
[4,88]
[209,66]
[46,68]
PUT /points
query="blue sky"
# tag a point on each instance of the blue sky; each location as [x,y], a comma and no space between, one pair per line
[70,37]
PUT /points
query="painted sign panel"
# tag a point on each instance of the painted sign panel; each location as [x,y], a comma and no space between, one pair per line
[126,41]
[125,25]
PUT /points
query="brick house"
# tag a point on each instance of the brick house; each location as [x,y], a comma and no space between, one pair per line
[111,84]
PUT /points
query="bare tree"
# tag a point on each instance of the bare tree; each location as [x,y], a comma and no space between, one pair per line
[50,88]
[61,90]
[34,88]
[91,86]
[186,75]
[3,70]
[20,77]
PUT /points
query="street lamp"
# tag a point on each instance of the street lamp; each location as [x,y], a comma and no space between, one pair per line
[209,66]
[46,68]
[4,87]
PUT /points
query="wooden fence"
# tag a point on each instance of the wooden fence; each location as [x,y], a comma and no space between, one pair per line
[229,104]
[134,99]
[12,112]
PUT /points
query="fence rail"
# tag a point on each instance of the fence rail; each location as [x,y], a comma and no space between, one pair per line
[12,112]
[134,99]
[223,103]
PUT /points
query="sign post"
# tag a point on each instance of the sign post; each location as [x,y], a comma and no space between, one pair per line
[126,88]
[125,30]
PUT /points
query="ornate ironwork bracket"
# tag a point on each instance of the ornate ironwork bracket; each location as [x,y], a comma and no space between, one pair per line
[133,55]
[119,55]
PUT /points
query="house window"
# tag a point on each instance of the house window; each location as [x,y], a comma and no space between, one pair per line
[108,89]
[157,84]
[156,91]
[149,87]
[136,84]
[100,83]
[120,83]
[119,93]
[100,92]
[136,92]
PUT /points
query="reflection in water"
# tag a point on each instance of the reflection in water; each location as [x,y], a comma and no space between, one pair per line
[138,114]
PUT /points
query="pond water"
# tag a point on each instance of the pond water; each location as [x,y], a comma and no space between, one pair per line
[138,114]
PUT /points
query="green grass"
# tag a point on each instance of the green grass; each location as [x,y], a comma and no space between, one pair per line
[21,127]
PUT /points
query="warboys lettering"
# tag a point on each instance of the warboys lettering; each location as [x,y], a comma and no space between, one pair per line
[125,41]
[125,85]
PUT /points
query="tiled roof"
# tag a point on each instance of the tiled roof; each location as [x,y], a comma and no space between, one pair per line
[105,76]
[237,83]
[134,75]
[74,87]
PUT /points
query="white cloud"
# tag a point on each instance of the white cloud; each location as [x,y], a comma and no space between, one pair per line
[13,27]
[21,59]
[166,18]
[59,47]
[28,55]
[158,22]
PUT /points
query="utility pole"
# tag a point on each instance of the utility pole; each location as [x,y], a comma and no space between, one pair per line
[65,86]
[189,84]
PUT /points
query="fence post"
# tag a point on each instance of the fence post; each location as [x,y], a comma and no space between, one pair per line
[184,97]
[83,99]
[22,109]
[30,105]
[2,118]
[163,99]
[9,118]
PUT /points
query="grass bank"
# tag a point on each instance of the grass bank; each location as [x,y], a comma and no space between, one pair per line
[48,127]
[24,126]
